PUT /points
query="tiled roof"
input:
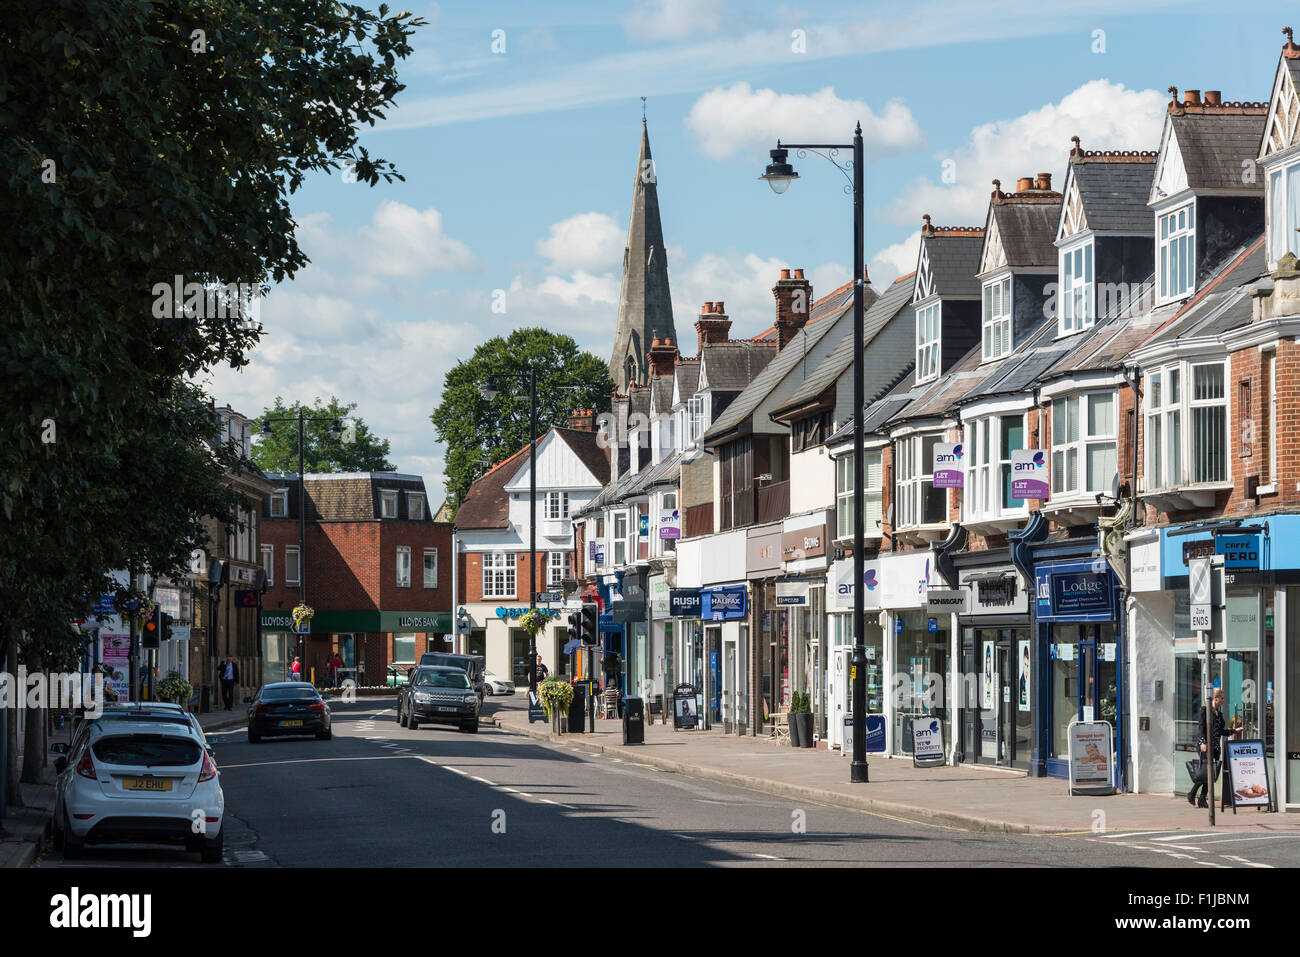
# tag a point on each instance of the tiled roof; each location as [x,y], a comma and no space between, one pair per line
[687,372]
[897,298]
[1114,188]
[954,256]
[881,409]
[1224,303]
[661,389]
[828,305]
[732,365]
[1027,230]
[587,447]
[1213,147]
[487,504]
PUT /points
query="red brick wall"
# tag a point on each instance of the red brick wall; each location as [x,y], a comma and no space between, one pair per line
[472,576]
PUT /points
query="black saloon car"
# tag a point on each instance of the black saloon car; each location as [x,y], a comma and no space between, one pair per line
[288,707]
[438,695]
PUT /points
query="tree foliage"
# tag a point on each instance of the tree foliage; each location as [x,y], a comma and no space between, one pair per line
[356,450]
[475,429]
[145,140]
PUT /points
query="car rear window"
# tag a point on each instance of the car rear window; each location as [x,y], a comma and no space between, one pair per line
[448,661]
[150,751]
[441,679]
[307,693]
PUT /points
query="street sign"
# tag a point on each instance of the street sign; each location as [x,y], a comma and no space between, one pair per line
[544,597]
[1198,584]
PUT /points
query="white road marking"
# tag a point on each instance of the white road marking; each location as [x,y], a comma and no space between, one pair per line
[1270,837]
[1185,837]
[1242,860]
[1134,834]
[769,857]
[475,777]
[682,837]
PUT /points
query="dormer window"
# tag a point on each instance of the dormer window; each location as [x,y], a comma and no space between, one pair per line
[388,503]
[1284,212]
[1176,238]
[1077,299]
[415,506]
[927,342]
[997,318]
[694,418]
[280,503]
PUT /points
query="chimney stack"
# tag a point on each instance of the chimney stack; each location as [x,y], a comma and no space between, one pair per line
[663,356]
[713,325]
[582,420]
[1213,98]
[793,302]
[1044,182]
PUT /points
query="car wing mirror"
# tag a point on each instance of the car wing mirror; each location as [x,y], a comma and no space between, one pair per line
[59,748]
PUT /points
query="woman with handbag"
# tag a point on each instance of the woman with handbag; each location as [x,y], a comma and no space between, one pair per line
[1218,731]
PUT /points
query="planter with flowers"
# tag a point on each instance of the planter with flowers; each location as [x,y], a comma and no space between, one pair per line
[556,695]
[302,616]
[174,688]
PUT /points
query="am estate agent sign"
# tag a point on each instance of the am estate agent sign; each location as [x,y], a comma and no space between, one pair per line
[1029,474]
[947,463]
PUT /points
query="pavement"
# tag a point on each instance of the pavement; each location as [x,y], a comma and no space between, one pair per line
[971,797]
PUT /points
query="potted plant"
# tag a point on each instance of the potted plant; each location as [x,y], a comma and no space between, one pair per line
[174,688]
[801,726]
[556,695]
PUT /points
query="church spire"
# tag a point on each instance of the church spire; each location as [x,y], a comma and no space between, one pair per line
[645,305]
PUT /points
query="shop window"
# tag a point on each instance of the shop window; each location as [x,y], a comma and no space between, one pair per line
[404,649]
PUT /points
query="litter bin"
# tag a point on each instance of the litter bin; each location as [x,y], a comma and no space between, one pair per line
[633,721]
[578,709]
[205,699]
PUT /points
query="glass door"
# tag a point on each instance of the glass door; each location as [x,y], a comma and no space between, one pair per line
[1005,706]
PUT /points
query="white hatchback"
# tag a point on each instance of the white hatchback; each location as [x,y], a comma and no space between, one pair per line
[139,781]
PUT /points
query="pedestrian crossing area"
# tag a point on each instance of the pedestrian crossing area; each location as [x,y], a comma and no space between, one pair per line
[1209,848]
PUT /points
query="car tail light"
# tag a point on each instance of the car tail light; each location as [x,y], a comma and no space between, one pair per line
[209,770]
[318,707]
[86,767]
[262,709]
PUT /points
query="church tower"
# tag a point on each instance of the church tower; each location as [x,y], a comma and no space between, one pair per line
[645,306]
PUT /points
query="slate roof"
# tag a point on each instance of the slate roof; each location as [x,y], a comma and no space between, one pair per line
[881,409]
[687,372]
[772,375]
[587,447]
[1213,146]
[1027,230]
[828,305]
[661,389]
[1224,303]
[955,261]
[734,364]
[895,299]
[344,497]
[638,400]
[1114,190]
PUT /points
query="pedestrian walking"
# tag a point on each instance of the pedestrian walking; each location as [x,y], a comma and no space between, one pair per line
[229,678]
[542,670]
[1209,756]
[296,670]
[336,668]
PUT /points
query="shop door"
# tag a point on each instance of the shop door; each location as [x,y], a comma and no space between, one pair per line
[729,687]
[1005,706]
[713,673]
[1097,679]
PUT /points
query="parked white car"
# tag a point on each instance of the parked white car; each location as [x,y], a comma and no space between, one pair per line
[494,685]
[138,779]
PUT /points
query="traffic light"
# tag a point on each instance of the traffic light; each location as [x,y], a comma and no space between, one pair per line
[164,626]
[462,621]
[575,626]
[149,633]
[590,630]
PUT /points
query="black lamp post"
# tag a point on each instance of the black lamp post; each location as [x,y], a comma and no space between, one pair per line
[336,429]
[779,175]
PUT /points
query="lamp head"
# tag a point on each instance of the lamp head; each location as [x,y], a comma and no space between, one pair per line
[489,389]
[779,174]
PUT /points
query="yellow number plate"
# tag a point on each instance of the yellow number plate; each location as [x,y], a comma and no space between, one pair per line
[291,724]
[147,784]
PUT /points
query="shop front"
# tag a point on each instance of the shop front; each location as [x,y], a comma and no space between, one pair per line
[801,593]
[628,608]
[724,611]
[369,642]
[1075,605]
[770,622]
[919,651]
[688,634]
[662,637]
[839,626]
[997,667]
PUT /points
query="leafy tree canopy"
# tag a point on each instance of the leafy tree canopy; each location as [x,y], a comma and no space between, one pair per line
[357,449]
[475,429]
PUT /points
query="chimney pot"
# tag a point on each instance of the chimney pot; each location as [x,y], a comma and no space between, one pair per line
[719,307]
[1024,183]
[1191,97]
[798,274]
[1044,181]
[1213,98]
[706,308]
[785,274]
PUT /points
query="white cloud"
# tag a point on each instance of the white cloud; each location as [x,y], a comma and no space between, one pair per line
[404,241]
[1103,114]
[673,19]
[585,241]
[728,120]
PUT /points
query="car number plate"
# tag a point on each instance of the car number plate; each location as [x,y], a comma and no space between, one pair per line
[291,724]
[147,784]
[443,707]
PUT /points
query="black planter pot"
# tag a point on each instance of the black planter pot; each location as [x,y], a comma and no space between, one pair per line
[801,730]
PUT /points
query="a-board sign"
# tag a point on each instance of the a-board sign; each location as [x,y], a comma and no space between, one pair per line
[535,710]
[684,707]
[927,741]
[1248,772]
[1092,756]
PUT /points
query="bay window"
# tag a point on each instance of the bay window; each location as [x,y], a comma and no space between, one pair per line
[1186,428]
[989,444]
[498,575]
[557,505]
[927,342]
[1076,295]
[1284,212]
[1084,433]
[871,495]
[997,318]
[620,537]
[1176,237]
[919,502]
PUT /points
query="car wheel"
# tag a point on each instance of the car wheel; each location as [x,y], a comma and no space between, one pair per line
[487,689]
[211,852]
[412,722]
[73,847]
[325,735]
[253,738]
[401,716]
[471,727]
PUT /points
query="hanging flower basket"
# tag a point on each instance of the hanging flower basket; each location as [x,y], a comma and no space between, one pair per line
[302,615]
[134,606]
[532,622]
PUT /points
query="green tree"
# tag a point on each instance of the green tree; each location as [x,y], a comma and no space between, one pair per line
[356,450]
[475,429]
[145,143]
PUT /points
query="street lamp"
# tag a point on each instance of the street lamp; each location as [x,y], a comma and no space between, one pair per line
[779,175]
[336,429]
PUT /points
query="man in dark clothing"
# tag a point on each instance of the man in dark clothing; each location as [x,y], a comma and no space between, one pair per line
[1218,731]
[229,673]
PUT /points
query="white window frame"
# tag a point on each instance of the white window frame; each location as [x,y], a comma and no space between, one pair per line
[694,419]
[1270,414]
[1071,452]
[268,563]
[291,551]
[280,495]
[1077,295]
[243,535]
[1176,253]
[620,539]
[430,582]
[989,472]
[403,564]
[929,328]
[499,579]
[1281,181]
[1170,426]
[557,505]
[411,499]
[912,475]
[872,495]
[387,498]
[557,568]
[996,318]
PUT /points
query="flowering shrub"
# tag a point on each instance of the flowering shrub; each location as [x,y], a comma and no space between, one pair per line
[555,692]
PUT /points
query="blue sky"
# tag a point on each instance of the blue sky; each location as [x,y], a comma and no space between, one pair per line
[519,165]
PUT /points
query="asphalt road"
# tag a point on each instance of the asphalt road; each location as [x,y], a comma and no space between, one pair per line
[379,795]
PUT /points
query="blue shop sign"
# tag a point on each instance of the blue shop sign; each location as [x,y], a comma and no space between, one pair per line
[1240,551]
[1073,591]
[722,604]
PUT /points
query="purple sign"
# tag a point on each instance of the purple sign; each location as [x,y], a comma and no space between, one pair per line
[1029,474]
[948,470]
